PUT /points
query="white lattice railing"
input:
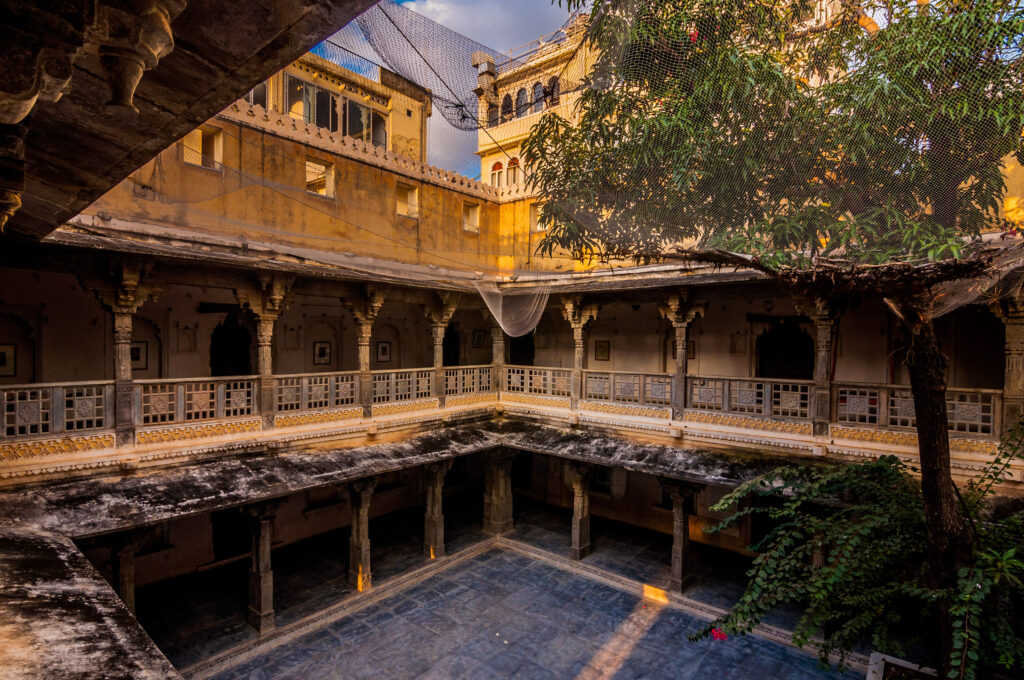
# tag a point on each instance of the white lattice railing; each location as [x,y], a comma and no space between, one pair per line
[402,385]
[315,391]
[552,382]
[970,411]
[648,389]
[752,396]
[467,380]
[181,401]
[47,408]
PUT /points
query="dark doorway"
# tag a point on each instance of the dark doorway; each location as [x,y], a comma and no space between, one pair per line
[230,348]
[521,350]
[231,534]
[786,352]
[450,347]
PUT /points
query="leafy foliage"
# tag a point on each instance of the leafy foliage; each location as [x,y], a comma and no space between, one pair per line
[870,583]
[726,124]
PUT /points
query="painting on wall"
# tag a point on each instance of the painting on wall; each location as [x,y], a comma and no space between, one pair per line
[321,353]
[602,350]
[384,352]
[691,349]
[478,339]
[7,361]
[140,355]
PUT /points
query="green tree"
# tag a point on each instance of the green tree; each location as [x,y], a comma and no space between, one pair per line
[858,156]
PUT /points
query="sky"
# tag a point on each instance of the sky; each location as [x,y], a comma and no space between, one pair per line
[499,24]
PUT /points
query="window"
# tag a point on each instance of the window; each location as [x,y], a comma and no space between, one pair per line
[496,174]
[258,95]
[471,217]
[513,172]
[319,178]
[553,91]
[521,104]
[506,108]
[492,115]
[359,124]
[406,200]
[313,104]
[380,130]
[538,97]
[204,146]
[535,212]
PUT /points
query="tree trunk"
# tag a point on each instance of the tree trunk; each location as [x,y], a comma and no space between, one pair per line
[949,541]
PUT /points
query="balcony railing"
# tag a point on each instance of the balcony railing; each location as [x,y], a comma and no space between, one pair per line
[552,382]
[647,389]
[186,401]
[467,380]
[316,391]
[970,411]
[391,386]
[751,396]
[48,408]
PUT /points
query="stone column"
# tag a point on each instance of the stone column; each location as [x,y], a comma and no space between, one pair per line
[267,302]
[498,493]
[497,358]
[579,316]
[364,305]
[261,577]
[680,313]
[824,326]
[360,495]
[123,294]
[440,315]
[577,475]
[433,522]
[681,495]
[1013,377]
[124,567]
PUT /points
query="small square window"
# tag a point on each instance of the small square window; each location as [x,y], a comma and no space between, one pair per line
[535,211]
[471,217]
[406,200]
[319,178]
[204,146]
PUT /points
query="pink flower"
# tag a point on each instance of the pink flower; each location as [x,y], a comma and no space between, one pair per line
[719,634]
[693,36]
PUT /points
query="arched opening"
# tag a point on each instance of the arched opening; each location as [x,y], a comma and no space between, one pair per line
[521,104]
[496,172]
[492,115]
[521,350]
[17,351]
[553,91]
[513,172]
[450,346]
[506,108]
[785,352]
[538,97]
[230,348]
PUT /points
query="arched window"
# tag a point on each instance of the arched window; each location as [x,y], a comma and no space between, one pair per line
[513,172]
[538,97]
[506,108]
[521,105]
[553,91]
[492,115]
[496,175]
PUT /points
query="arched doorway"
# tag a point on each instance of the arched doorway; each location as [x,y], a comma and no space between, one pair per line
[521,350]
[230,348]
[785,352]
[450,346]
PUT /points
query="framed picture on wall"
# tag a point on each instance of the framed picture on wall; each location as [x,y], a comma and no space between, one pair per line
[691,349]
[602,350]
[140,355]
[8,354]
[321,353]
[384,352]
[478,339]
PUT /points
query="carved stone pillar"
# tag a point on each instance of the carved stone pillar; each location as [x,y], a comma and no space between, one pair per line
[433,523]
[364,305]
[440,315]
[124,566]
[123,293]
[497,357]
[577,476]
[498,493]
[267,304]
[681,495]
[824,327]
[680,313]
[261,577]
[579,316]
[1011,312]
[360,495]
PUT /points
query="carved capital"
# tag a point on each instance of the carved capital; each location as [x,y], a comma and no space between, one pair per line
[364,304]
[269,299]
[679,311]
[125,290]
[577,313]
[441,312]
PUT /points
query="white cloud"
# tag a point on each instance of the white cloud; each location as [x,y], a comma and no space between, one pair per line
[499,24]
